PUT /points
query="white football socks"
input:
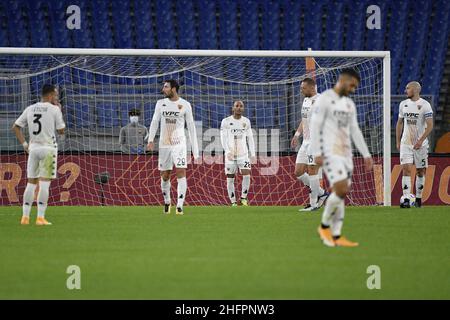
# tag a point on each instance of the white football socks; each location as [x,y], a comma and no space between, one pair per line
[315,189]
[332,203]
[245,186]
[165,187]
[420,184]
[406,185]
[337,220]
[28,199]
[42,197]
[181,188]
[230,189]
[304,178]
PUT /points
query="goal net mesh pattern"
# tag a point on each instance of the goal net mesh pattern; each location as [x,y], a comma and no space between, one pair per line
[97,93]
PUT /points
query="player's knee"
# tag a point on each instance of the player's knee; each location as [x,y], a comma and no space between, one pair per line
[421,172]
[165,175]
[181,173]
[406,170]
[299,170]
[313,170]
[231,176]
[341,188]
[33,180]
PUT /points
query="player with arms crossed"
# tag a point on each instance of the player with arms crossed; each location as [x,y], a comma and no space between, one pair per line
[306,170]
[333,126]
[235,132]
[415,119]
[174,113]
[42,119]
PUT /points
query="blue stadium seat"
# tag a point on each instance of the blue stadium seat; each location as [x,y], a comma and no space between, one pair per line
[255,70]
[265,116]
[207,23]
[277,69]
[149,109]
[186,27]
[216,113]
[335,27]
[78,115]
[355,26]
[164,17]
[200,114]
[281,115]
[249,25]
[143,25]
[107,114]
[228,25]
[290,39]
[271,25]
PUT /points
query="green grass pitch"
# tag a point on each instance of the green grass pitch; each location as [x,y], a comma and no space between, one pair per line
[223,253]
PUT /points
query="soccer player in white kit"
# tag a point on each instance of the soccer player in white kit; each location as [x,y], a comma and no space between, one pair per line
[333,126]
[42,119]
[306,170]
[415,119]
[235,133]
[174,113]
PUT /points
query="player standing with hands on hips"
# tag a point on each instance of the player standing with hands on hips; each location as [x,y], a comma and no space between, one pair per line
[174,113]
[333,126]
[42,119]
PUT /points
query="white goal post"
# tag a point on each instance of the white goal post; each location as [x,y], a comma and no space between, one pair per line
[45,60]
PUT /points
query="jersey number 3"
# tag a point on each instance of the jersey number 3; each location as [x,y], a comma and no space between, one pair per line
[37,117]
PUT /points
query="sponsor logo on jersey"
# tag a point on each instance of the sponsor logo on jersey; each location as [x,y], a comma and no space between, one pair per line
[339,113]
[411,115]
[171,114]
[237,131]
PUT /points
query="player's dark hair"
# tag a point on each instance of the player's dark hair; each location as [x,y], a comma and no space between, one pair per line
[173,84]
[309,81]
[352,73]
[134,112]
[47,89]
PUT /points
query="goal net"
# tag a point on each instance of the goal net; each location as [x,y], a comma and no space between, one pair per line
[98,89]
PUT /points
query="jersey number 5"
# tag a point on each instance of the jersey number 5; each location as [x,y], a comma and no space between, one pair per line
[37,117]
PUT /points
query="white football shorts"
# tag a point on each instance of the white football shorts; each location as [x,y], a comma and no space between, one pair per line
[42,162]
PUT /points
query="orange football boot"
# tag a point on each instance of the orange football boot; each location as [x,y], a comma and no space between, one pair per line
[42,222]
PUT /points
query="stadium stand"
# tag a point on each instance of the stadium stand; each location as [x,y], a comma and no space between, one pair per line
[243,24]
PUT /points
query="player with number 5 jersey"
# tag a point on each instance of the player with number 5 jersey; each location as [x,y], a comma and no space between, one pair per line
[42,119]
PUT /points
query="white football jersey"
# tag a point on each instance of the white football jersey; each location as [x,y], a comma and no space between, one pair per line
[306,116]
[414,114]
[42,119]
[173,116]
[234,134]
[333,125]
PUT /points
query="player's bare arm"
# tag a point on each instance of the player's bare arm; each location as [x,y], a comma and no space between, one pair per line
[298,133]
[427,132]
[19,134]
[398,132]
